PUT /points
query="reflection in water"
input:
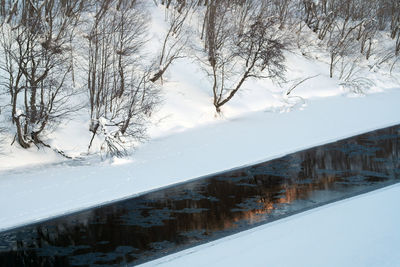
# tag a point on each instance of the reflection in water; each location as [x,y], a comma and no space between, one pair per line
[162,222]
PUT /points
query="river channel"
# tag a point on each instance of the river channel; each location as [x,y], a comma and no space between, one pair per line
[161,222]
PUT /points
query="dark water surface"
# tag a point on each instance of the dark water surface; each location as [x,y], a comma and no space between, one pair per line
[165,221]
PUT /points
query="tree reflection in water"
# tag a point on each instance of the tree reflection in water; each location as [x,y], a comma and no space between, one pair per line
[162,222]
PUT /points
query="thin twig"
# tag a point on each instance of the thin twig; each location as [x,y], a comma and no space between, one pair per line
[297,84]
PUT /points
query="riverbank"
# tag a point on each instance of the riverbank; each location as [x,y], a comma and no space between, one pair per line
[51,190]
[359,231]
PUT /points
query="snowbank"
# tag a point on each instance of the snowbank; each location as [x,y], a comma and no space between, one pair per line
[360,231]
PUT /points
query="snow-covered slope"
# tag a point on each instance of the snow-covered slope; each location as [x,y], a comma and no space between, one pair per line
[187,96]
[28,195]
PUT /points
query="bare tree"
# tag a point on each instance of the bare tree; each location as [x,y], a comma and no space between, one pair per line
[310,14]
[283,9]
[176,38]
[343,32]
[241,43]
[367,31]
[339,46]
[395,19]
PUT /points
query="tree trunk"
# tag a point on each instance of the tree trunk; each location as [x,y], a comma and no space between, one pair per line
[20,135]
[331,66]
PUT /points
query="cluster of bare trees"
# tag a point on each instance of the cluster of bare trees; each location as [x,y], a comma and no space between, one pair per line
[45,43]
[39,41]
[121,95]
[35,70]
[345,25]
[245,39]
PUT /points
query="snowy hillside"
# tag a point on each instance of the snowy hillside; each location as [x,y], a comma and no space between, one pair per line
[186,95]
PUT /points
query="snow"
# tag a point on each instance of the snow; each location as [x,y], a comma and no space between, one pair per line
[51,190]
[361,231]
[188,140]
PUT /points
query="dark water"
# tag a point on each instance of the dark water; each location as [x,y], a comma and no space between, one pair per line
[165,221]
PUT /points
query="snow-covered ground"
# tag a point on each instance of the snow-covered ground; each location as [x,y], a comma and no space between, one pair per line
[28,195]
[188,140]
[360,231]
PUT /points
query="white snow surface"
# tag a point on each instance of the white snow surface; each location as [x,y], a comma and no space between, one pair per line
[48,190]
[361,231]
